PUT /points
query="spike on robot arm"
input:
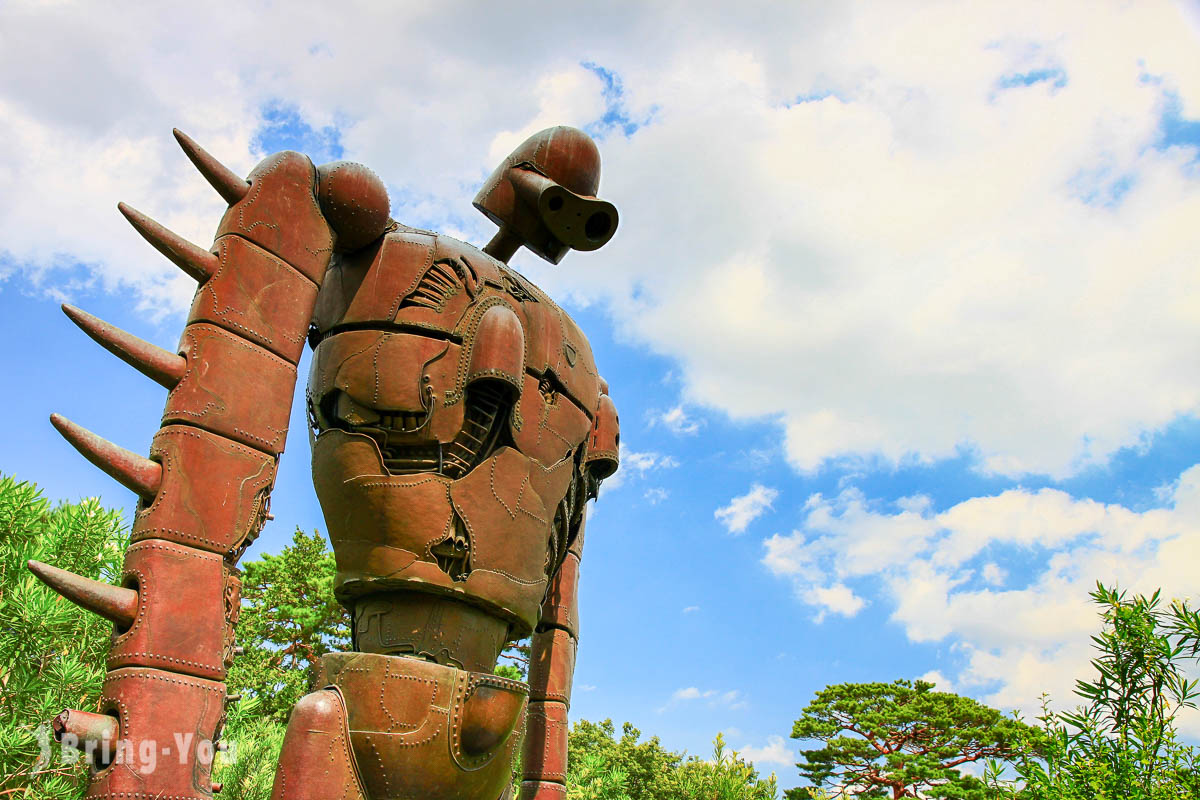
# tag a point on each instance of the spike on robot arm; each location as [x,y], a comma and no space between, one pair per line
[204,490]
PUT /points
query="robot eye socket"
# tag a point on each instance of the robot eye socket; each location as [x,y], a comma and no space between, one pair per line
[555,203]
[597,226]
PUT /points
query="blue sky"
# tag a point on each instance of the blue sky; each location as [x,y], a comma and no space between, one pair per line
[900,320]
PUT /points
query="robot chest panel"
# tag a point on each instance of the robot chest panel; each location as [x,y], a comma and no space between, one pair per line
[405,280]
[489,322]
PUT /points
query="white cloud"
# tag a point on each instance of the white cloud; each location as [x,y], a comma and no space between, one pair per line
[676,420]
[636,465]
[994,574]
[775,752]
[898,265]
[656,495]
[860,540]
[691,609]
[744,509]
[731,699]
[908,265]
[836,599]
[940,681]
[943,575]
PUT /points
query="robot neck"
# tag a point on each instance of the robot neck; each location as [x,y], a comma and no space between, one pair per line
[503,245]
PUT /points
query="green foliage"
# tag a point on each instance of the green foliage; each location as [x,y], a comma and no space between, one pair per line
[289,620]
[514,661]
[725,777]
[247,770]
[594,778]
[806,793]
[51,653]
[901,739]
[1122,742]
[510,671]
[642,767]
[604,767]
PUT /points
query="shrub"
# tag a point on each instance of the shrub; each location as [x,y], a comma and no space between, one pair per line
[51,652]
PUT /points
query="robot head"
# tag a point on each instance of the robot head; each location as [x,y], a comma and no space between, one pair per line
[544,194]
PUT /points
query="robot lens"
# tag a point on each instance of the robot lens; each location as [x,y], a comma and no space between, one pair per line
[597,226]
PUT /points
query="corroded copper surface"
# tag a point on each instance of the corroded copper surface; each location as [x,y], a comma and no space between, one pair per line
[214,491]
[546,742]
[320,763]
[430,627]
[257,296]
[552,665]
[423,730]
[178,716]
[177,582]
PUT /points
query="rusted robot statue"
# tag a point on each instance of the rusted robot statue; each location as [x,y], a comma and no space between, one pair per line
[458,426]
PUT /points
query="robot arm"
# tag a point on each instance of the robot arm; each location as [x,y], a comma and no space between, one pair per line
[205,489]
[554,646]
[551,672]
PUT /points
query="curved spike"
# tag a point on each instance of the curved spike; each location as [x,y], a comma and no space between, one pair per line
[136,473]
[115,603]
[192,259]
[155,363]
[223,179]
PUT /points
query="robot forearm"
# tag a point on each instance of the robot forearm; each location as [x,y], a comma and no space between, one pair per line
[205,490]
[551,673]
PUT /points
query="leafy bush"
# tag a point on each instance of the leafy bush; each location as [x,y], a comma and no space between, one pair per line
[247,770]
[289,620]
[600,762]
[604,767]
[1122,742]
[51,653]
[725,777]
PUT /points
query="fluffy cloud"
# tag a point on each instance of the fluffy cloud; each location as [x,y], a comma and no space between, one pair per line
[636,465]
[655,495]
[939,680]
[836,599]
[895,235]
[731,699]
[1003,579]
[677,421]
[775,752]
[898,229]
[88,97]
[744,509]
